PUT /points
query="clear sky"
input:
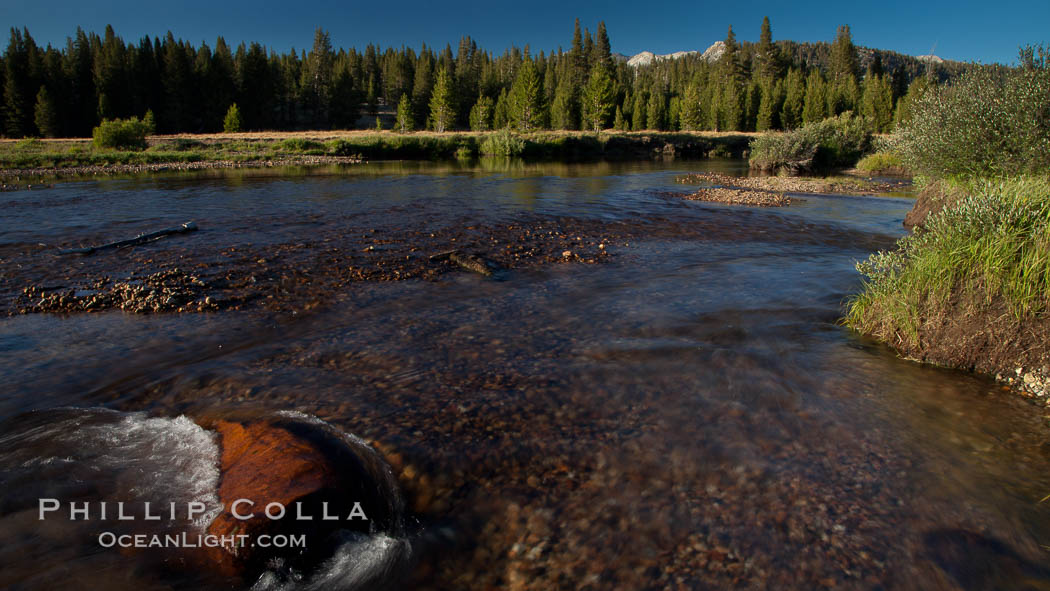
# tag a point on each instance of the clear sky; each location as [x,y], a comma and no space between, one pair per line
[963,30]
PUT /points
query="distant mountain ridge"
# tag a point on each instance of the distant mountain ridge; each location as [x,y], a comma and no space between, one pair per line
[810,54]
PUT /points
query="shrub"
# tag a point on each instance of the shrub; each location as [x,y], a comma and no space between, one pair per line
[298,144]
[502,143]
[126,134]
[990,121]
[881,162]
[834,142]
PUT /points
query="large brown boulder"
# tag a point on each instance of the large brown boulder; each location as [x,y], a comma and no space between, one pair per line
[291,475]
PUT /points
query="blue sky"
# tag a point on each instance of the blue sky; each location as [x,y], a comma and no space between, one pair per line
[967,31]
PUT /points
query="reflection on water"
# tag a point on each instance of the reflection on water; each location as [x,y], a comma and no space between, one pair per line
[688,414]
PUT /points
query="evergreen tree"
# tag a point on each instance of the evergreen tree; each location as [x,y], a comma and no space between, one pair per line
[526,98]
[579,58]
[877,103]
[423,85]
[442,113]
[692,116]
[481,114]
[404,122]
[768,116]
[602,47]
[917,88]
[794,100]
[656,110]
[815,108]
[46,114]
[767,59]
[598,99]
[674,113]
[752,103]
[563,109]
[19,91]
[178,77]
[639,116]
[843,57]
[501,113]
[733,103]
[318,75]
[618,121]
[111,77]
[231,123]
[345,107]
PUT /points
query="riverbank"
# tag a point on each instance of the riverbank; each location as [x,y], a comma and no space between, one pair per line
[24,160]
[969,288]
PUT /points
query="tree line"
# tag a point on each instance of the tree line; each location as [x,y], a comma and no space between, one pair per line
[185,88]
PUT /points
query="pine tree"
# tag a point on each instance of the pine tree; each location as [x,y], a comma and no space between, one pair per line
[481,114]
[526,98]
[733,102]
[442,113]
[423,85]
[877,102]
[843,57]
[46,114]
[563,109]
[752,104]
[602,47]
[905,105]
[345,108]
[404,123]
[656,110]
[598,99]
[579,58]
[638,116]
[674,113]
[769,110]
[501,113]
[794,100]
[232,122]
[767,59]
[317,78]
[618,121]
[815,108]
[692,116]
[18,86]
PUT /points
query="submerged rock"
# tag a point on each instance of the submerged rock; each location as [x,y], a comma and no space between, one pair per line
[292,475]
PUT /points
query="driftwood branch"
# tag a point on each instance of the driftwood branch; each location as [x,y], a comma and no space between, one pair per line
[467,261]
[140,239]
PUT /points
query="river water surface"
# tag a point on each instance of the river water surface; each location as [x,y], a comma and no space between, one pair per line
[686,414]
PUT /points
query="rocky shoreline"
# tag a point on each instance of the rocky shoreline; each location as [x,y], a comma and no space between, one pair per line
[779,184]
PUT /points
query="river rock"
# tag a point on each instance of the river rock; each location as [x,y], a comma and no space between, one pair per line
[312,471]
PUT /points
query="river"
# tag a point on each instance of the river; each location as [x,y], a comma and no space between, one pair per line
[688,413]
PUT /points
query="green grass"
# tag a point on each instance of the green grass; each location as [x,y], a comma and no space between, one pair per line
[990,247]
[881,162]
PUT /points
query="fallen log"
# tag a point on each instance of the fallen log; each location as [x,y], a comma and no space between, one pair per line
[467,261]
[474,263]
[140,239]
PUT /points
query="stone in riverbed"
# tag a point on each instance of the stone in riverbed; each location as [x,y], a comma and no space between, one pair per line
[308,469]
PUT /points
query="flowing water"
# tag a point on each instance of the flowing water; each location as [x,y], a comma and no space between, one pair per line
[688,414]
